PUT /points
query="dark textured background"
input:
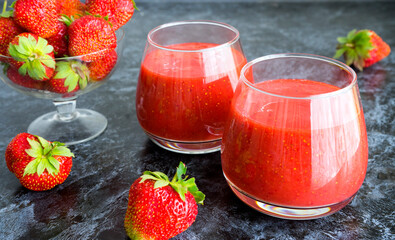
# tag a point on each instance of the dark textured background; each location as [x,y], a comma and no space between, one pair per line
[92,202]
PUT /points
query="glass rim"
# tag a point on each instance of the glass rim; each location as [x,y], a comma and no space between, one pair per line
[300,55]
[191,22]
[119,32]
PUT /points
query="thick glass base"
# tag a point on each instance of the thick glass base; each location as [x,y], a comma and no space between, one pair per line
[293,213]
[83,126]
[187,147]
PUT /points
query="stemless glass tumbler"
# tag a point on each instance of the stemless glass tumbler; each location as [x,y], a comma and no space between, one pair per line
[295,144]
[187,79]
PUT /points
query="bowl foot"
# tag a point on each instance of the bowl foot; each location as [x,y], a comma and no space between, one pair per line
[84,126]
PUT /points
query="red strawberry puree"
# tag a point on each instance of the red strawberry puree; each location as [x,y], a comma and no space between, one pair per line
[295,152]
[186,96]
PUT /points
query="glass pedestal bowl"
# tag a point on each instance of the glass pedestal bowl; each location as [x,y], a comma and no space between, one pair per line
[67,124]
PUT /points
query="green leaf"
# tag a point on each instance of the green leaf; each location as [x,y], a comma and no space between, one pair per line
[45,145]
[61,151]
[54,163]
[342,40]
[41,166]
[199,197]
[339,53]
[36,70]
[31,167]
[23,69]
[146,177]
[161,183]
[49,62]
[34,144]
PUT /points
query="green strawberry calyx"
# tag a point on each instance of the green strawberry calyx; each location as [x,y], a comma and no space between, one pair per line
[179,184]
[34,54]
[43,153]
[355,47]
[5,13]
[74,72]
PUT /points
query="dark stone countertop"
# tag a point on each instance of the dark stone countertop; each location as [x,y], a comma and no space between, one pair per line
[91,204]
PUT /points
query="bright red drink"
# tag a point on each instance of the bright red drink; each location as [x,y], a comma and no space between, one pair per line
[188,101]
[304,151]
[187,79]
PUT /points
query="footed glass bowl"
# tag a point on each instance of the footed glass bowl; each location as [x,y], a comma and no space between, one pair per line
[80,74]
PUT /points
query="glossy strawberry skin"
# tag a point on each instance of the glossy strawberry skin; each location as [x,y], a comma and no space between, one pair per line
[90,34]
[74,8]
[59,40]
[8,30]
[24,81]
[17,159]
[58,86]
[99,69]
[37,16]
[119,12]
[15,151]
[45,181]
[157,213]
[380,49]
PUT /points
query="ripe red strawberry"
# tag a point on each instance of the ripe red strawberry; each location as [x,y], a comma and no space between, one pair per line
[37,16]
[59,41]
[91,35]
[71,8]
[160,209]
[70,76]
[8,29]
[99,69]
[33,56]
[119,12]
[362,48]
[38,164]
[24,81]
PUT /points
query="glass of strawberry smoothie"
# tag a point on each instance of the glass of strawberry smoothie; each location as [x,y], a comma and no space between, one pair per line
[188,76]
[295,144]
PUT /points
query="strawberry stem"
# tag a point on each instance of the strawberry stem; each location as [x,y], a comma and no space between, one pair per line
[179,184]
[4,6]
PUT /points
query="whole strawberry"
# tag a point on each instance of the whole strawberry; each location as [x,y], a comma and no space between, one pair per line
[38,164]
[8,29]
[37,16]
[91,35]
[160,209]
[70,76]
[33,56]
[362,48]
[24,81]
[119,12]
[101,68]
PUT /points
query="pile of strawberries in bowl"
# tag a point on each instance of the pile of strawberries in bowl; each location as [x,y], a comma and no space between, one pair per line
[58,49]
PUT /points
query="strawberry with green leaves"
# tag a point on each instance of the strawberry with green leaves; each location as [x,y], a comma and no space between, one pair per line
[91,35]
[70,76]
[160,209]
[38,164]
[8,29]
[33,56]
[119,12]
[24,81]
[362,48]
[37,16]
